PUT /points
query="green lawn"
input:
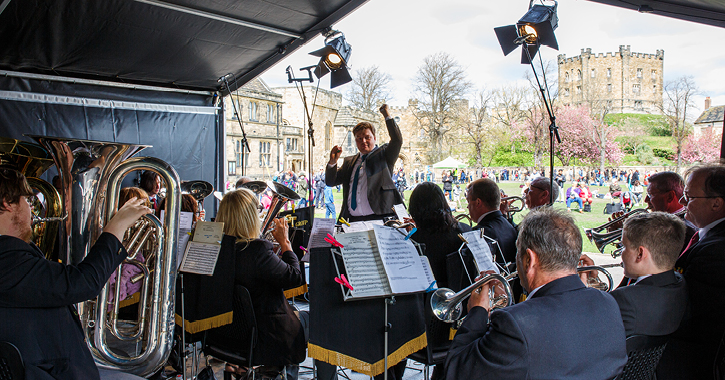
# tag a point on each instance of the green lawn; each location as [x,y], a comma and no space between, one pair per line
[585,220]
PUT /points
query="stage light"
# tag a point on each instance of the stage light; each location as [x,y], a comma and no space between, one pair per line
[333,59]
[534,29]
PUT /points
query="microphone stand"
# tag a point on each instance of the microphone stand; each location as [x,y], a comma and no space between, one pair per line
[245,143]
[553,129]
[310,130]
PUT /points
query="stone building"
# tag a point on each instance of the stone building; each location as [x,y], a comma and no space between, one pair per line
[710,121]
[624,81]
[274,143]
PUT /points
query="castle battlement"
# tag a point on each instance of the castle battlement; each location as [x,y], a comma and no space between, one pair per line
[624,51]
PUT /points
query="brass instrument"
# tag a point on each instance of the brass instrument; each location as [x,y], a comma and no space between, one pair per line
[594,281]
[33,160]
[446,304]
[513,209]
[257,187]
[459,217]
[602,239]
[280,195]
[90,177]
[197,189]
[398,224]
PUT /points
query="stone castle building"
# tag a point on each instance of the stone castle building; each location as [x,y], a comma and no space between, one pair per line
[624,81]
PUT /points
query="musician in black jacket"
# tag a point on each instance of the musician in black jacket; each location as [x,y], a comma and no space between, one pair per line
[484,201]
[38,296]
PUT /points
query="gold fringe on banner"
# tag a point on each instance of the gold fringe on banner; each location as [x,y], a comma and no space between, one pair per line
[452,333]
[357,365]
[130,301]
[206,324]
[294,292]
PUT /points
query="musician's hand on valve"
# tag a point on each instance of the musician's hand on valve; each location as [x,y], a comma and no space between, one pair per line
[409,220]
[335,155]
[585,261]
[479,297]
[126,216]
[617,225]
[281,234]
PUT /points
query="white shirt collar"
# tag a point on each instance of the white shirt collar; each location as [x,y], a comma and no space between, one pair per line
[640,278]
[706,229]
[531,294]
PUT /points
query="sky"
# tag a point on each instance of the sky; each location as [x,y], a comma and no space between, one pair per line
[397,35]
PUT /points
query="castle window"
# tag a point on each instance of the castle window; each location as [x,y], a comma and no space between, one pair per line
[241,156]
[578,89]
[609,72]
[566,77]
[253,111]
[639,73]
[654,88]
[635,87]
[594,73]
[270,113]
[265,153]
[578,75]
[238,104]
[654,74]
[566,92]
[638,104]
[609,87]
[231,168]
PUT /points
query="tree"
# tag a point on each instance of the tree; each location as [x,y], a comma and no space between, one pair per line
[597,99]
[678,102]
[509,110]
[370,86]
[482,134]
[705,148]
[440,88]
[577,129]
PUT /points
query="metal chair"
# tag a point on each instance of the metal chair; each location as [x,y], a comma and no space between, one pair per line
[643,355]
[224,342]
[11,363]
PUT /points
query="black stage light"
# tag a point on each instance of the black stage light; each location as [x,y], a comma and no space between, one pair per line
[534,29]
[334,58]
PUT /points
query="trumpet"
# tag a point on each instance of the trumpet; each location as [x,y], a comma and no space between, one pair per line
[594,281]
[513,199]
[446,304]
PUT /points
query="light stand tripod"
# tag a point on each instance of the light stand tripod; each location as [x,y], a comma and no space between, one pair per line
[245,143]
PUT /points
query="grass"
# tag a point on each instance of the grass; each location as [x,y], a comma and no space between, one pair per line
[585,220]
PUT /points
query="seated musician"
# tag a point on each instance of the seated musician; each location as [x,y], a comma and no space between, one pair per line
[563,330]
[151,183]
[656,302]
[38,296]
[281,337]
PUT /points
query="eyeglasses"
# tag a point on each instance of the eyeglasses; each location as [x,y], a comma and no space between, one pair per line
[688,198]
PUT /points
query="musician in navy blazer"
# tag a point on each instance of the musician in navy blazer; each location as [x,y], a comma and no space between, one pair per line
[376,193]
[484,200]
[562,331]
[37,296]
[655,304]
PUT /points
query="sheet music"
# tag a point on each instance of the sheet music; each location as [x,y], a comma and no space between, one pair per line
[200,258]
[427,269]
[320,229]
[401,212]
[361,226]
[184,236]
[401,260]
[480,250]
[209,232]
[363,265]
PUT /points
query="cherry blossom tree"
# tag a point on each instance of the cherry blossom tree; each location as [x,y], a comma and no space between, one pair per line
[581,137]
[701,149]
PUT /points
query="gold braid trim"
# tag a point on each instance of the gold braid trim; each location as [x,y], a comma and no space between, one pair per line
[357,365]
[130,300]
[452,333]
[294,292]
[206,324]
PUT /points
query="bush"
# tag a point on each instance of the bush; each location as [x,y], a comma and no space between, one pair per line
[504,157]
[644,154]
[667,154]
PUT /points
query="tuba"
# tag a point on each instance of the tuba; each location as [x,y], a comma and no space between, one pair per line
[90,175]
[33,160]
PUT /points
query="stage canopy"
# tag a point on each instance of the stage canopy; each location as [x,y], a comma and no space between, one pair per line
[710,12]
[145,71]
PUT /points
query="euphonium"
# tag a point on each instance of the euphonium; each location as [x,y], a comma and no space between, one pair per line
[446,304]
[90,176]
[33,160]
[280,195]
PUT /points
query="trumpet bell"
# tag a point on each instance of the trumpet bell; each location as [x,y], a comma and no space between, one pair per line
[198,189]
[257,187]
[440,304]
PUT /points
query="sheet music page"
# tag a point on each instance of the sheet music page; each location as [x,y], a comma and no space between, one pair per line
[320,228]
[184,236]
[401,261]
[200,258]
[480,250]
[364,268]
[401,212]
[427,269]
[209,232]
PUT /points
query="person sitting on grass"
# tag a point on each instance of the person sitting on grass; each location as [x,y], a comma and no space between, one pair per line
[572,195]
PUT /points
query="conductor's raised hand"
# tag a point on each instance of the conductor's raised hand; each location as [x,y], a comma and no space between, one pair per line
[385,111]
[335,154]
[281,234]
[126,216]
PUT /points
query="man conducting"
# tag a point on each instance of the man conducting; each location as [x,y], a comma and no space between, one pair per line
[564,330]
[655,304]
[690,354]
[367,185]
[37,296]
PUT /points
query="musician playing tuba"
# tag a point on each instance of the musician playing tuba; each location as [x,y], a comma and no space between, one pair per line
[37,295]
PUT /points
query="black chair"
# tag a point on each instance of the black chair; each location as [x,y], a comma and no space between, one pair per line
[437,333]
[11,363]
[224,342]
[643,355]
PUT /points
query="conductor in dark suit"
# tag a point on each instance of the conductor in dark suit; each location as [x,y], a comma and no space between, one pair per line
[655,304]
[38,296]
[484,201]
[367,185]
[690,354]
[564,330]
